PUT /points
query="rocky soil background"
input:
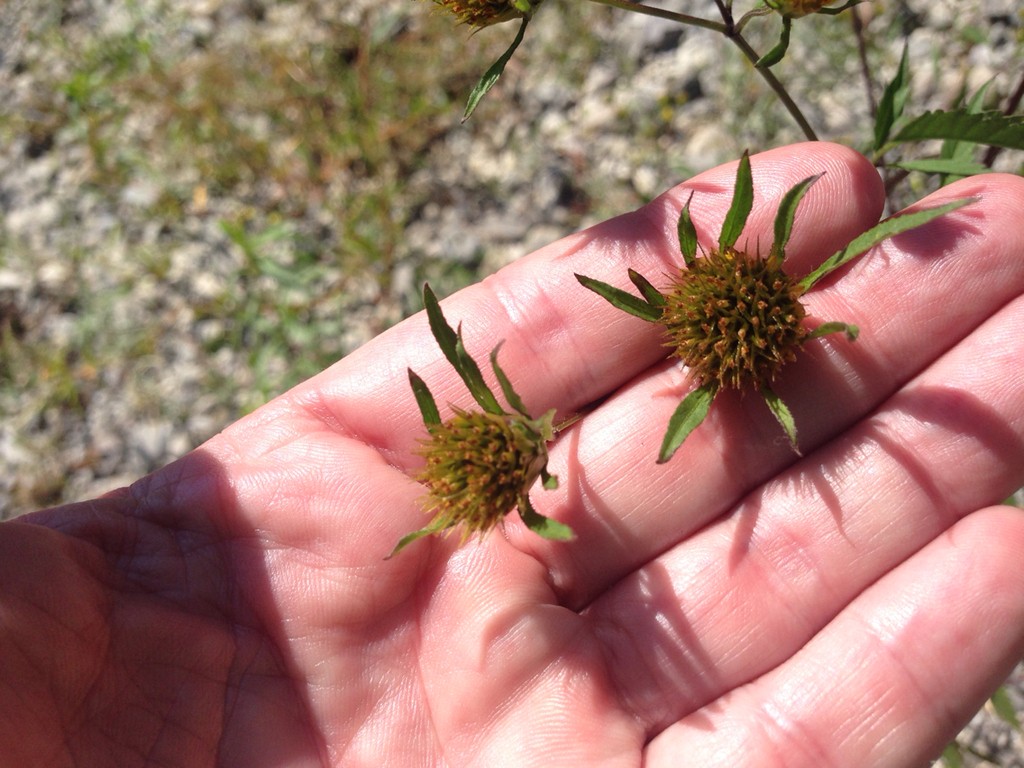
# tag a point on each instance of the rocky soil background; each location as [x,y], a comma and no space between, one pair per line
[202,203]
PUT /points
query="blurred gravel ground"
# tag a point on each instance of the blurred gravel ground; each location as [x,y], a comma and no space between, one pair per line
[203,203]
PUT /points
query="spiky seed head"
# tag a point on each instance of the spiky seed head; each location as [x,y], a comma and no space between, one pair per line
[734,319]
[483,13]
[794,9]
[479,465]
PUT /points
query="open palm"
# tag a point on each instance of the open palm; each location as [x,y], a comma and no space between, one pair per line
[740,605]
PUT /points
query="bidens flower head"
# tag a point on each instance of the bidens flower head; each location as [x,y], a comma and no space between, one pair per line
[735,318]
[479,465]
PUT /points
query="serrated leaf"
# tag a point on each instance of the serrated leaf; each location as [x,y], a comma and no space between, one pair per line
[425,400]
[991,128]
[774,56]
[493,73]
[950,166]
[742,202]
[619,298]
[893,101]
[544,527]
[851,331]
[687,234]
[454,350]
[787,213]
[511,397]
[782,414]
[894,225]
[686,418]
[963,150]
[648,291]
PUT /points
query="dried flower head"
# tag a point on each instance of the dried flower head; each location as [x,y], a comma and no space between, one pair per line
[735,318]
[794,9]
[483,13]
[480,465]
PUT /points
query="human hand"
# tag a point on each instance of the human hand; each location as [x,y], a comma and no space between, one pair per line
[739,605]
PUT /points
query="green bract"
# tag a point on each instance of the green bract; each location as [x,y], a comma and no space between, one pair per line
[480,465]
[794,9]
[735,319]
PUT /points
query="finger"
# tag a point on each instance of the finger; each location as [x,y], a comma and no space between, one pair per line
[892,678]
[748,591]
[564,346]
[914,298]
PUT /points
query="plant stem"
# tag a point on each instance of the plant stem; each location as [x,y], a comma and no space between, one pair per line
[865,67]
[774,84]
[647,10]
[728,28]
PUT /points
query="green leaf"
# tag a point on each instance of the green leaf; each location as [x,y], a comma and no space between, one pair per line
[774,56]
[444,335]
[617,297]
[787,213]
[1004,707]
[511,397]
[549,481]
[963,150]
[454,349]
[686,418]
[494,72]
[851,331]
[894,99]
[428,408]
[544,527]
[950,167]
[782,414]
[470,373]
[742,202]
[409,538]
[687,234]
[952,757]
[894,225]
[648,291]
[991,128]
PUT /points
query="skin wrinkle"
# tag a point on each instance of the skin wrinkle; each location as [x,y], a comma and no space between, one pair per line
[881,643]
[908,438]
[788,737]
[527,341]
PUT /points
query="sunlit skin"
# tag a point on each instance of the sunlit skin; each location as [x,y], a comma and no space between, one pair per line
[737,606]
